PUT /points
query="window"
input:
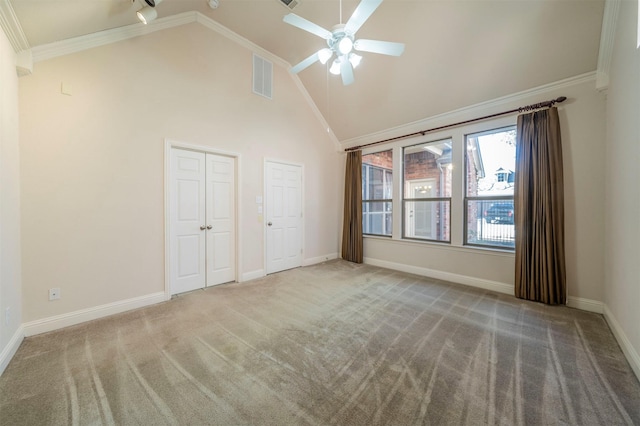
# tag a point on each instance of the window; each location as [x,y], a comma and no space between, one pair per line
[455,189]
[490,174]
[427,191]
[377,184]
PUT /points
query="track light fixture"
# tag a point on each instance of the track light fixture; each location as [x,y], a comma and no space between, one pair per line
[148,13]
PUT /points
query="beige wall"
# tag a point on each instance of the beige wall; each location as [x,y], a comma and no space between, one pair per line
[583,133]
[622,271]
[92,163]
[10,270]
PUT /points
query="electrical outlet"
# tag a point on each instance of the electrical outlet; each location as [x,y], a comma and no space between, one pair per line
[7,317]
[54,293]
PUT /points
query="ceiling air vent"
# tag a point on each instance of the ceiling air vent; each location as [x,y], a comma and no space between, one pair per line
[289,4]
[262,76]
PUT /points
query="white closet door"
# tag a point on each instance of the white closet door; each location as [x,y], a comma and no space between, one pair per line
[187,220]
[221,230]
[284,216]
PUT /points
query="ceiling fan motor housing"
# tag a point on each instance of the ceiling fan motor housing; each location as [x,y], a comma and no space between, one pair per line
[338,34]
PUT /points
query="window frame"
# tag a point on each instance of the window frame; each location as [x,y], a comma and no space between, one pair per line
[458,218]
[493,198]
[404,199]
[382,200]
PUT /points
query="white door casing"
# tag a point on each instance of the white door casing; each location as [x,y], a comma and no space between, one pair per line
[220,211]
[283,204]
[187,212]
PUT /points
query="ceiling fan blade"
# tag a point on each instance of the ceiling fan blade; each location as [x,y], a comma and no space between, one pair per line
[309,26]
[361,14]
[346,70]
[378,46]
[305,63]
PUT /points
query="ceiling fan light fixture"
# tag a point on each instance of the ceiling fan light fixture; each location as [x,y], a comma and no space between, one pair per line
[147,14]
[345,45]
[355,60]
[324,55]
[342,41]
[335,67]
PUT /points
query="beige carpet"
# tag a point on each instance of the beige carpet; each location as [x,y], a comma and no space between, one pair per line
[335,343]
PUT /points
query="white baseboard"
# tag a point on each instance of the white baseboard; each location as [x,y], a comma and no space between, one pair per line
[585,304]
[627,348]
[72,318]
[446,276]
[253,275]
[10,350]
[319,259]
[573,302]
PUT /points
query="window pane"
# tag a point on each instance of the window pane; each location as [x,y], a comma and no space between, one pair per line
[427,170]
[490,178]
[491,163]
[490,223]
[427,220]
[376,217]
[377,184]
[377,176]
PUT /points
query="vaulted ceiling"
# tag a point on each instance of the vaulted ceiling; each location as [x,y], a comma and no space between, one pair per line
[458,53]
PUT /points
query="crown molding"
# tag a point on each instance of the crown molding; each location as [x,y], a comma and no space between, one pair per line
[226,32]
[101,38]
[316,111]
[468,111]
[12,28]
[89,41]
[607,39]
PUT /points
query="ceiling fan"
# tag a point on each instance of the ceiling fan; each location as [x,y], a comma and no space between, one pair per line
[341,41]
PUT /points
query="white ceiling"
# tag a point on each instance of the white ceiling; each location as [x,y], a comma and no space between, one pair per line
[458,53]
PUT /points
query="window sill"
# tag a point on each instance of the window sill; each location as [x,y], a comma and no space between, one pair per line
[490,251]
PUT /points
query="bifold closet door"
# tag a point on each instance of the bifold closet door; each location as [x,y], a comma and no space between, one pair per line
[202,223]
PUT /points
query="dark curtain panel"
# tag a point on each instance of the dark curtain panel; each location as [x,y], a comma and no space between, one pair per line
[352,221]
[539,209]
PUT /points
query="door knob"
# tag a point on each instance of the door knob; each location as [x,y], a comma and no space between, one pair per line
[269,223]
[202,228]
[209,227]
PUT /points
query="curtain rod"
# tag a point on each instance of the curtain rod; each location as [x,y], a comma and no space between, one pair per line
[424,132]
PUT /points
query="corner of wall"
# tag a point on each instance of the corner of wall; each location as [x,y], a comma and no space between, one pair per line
[607,39]
[627,348]
[11,332]
[11,348]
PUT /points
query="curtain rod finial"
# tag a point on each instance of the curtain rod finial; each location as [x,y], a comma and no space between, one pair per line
[561,99]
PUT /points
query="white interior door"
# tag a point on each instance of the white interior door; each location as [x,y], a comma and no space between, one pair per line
[221,243]
[202,199]
[283,216]
[187,220]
